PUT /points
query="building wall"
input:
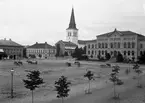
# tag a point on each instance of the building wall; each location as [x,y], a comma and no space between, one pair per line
[15,52]
[45,53]
[72,36]
[127,45]
[91,49]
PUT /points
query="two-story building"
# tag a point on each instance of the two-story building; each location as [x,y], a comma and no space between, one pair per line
[41,50]
[12,49]
[128,43]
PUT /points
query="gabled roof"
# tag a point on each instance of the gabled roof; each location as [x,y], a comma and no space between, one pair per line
[69,44]
[9,43]
[85,41]
[41,45]
[122,33]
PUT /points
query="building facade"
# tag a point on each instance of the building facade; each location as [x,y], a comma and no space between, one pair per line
[41,50]
[12,49]
[65,48]
[128,43]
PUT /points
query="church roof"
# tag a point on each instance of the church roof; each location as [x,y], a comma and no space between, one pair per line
[85,41]
[9,43]
[41,45]
[72,24]
[123,33]
[69,44]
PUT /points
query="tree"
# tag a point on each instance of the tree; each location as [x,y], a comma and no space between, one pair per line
[119,57]
[107,56]
[40,55]
[141,58]
[90,76]
[33,81]
[57,50]
[115,79]
[65,53]
[62,87]
[138,71]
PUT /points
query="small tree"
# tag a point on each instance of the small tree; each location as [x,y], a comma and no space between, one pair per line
[62,87]
[107,56]
[33,81]
[115,79]
[138,71]
[119,57]
[40,55]
[90,76]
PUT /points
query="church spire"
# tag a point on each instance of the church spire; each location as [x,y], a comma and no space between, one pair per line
[72,24]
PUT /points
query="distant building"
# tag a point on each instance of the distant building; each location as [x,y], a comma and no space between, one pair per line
[91,49]
[41,50]
[65,47]
[130,44]
[12,49]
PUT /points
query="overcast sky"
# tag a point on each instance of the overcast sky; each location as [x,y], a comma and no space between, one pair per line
[30,21]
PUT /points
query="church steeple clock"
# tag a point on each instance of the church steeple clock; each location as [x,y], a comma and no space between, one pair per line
[72,31]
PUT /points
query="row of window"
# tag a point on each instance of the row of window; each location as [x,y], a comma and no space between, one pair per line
[41,51]
[74,34]
[116,45]
[112,52]
[92,46]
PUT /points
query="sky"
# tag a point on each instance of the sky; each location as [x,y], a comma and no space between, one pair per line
[29,21]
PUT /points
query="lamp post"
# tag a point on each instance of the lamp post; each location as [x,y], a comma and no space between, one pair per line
[12,72]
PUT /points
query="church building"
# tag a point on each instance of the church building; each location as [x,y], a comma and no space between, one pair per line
[68,46]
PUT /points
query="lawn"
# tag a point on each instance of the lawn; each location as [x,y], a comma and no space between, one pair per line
[51,70]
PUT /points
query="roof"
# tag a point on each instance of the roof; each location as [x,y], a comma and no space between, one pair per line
[41,45]
[85,41]
[122,33]
[72,24]
[70,44]
[9,43]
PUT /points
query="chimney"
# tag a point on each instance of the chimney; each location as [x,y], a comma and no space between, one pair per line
[45,42]
[10,40]
[36,42]
[4,38]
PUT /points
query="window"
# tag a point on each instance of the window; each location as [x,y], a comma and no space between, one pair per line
[118,45]
[128,44]
[106,46]
[125,45]
[141,46]
[99,45]
[95,45]
[92,52]
[128,52]
[124,52]
[92,45]
[102,52]
[133,45]
[99,52]
[115,45]
[88,52]
[132,53]
[89,46]
[111,45]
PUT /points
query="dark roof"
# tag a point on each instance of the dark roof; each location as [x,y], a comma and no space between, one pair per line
[70,44]
[41,45]
[85,41]
[72,24]
[123,33]
[9,43]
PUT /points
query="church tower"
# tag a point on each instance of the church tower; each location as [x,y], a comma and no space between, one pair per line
[72,31]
